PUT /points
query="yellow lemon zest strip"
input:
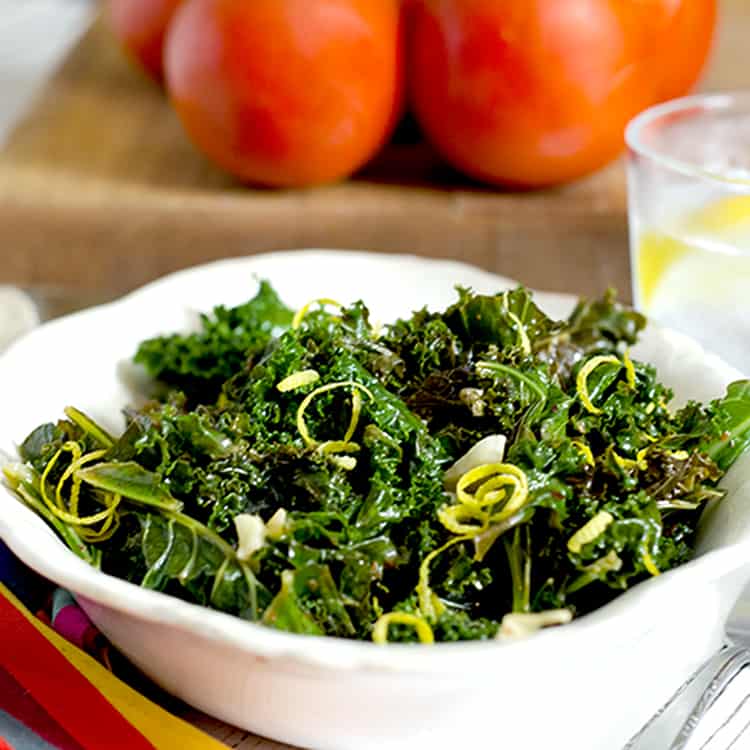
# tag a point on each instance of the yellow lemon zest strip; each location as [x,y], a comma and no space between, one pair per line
[680,455]
[495,481]
[472,515]
[78,462]
[108,528]
[309,441]
[356,411]
[112,501]
[92,538]
[111,523]
[590,531]
[73,448]
[640,459]
[626,464]
[429,605]
[629,369]
[490,492]
[583,376]
[649,564]
[523,337]
[60,510]
[422,628]
[507,473]
[68,512]
[454,518]
[300,316]
[298,380]
[585,451]
[336,446]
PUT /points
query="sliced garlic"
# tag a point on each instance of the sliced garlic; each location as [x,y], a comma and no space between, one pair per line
[521,624]
[276,524]
[251,535]
[473,398]
[298,380]
[488,450]
[347,463]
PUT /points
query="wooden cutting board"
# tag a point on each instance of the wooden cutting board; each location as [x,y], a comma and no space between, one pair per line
[100,190]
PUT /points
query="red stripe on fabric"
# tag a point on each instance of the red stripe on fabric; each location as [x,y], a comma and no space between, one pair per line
[19,703]
[4,745]
[73,702]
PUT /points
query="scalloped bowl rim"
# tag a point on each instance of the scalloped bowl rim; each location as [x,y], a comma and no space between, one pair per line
[618,621]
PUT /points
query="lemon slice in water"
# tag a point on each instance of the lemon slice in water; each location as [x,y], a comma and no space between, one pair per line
[694,275]
[698,256]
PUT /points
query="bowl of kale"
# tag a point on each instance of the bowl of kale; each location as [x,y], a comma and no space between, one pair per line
[353,501]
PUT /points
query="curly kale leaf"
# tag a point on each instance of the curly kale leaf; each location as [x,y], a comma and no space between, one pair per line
[416,348]
[229,338]
[509,320]
[600,326]
[730,425]
[172,552]
[309,602]
[450,625]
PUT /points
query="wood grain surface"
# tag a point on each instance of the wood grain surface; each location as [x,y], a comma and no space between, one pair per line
[233,738]
[100,190]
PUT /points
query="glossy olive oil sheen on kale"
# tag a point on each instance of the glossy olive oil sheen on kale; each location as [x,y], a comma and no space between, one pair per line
[458,474]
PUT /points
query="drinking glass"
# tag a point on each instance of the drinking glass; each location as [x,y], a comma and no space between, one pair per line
[689,211]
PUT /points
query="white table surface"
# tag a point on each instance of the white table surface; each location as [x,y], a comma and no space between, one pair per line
[34,37]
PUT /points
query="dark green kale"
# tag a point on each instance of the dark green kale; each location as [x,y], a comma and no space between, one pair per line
[594,327]
[296,472]
[229,338]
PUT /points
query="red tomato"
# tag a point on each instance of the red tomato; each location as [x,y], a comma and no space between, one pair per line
[686,42]
[536,92]
[141,26]
[287,92]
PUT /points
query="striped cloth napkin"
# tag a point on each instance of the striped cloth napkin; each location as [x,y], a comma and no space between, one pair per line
[57,689]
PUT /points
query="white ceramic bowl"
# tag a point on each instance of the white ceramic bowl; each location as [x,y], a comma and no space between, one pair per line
[588,685]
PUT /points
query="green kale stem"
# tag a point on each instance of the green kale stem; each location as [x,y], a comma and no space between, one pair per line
[518,551]
[67,533]
[498,369]
[89,427]
[200,530]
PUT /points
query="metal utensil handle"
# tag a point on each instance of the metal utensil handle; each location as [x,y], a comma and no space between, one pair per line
[672,726]
[736,658]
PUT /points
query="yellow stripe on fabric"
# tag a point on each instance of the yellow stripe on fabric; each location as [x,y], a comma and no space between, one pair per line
[161,728]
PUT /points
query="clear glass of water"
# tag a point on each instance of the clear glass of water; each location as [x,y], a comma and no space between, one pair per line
[689,208]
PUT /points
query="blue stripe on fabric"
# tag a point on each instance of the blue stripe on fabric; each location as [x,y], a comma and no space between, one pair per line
[19,736]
